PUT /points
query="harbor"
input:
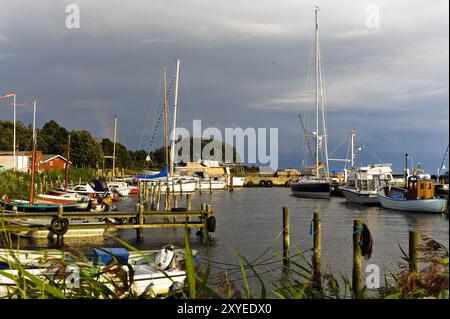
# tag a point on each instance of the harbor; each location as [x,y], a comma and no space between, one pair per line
[196,161]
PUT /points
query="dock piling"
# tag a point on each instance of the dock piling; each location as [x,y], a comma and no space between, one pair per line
[317,248]
[286,237]
[356,274]
[413,250]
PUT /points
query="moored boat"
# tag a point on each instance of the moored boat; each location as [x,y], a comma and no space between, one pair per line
[418,197]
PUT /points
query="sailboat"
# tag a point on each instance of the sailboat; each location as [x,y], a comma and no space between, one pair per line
[166,178]
[314,184]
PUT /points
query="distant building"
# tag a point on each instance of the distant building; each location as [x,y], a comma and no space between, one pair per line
[52,162]
[43,162]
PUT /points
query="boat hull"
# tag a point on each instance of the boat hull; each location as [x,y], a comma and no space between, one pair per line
[311,190]
[354,196]
[435,205]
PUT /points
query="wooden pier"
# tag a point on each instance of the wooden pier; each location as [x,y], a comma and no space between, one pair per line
[60,221]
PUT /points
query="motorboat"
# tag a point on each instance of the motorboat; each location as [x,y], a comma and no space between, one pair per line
[362,183]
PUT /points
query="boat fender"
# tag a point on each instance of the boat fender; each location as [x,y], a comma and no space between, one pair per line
[164,259]
[366,242]
[59,226]
[211,224]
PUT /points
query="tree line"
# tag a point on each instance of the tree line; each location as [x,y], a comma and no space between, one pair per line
[86,151]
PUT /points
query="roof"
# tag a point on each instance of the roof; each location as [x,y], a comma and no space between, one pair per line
[48,157]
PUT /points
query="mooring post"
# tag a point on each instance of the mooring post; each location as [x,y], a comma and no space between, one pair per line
[199,187]
[140,221]
[159,195]
[175,201]
[188,209]
[60,211]
[201,232]
[181,187]
[14,209]
[231,183]
[205,227]
[286,237]
[167,206]
[356,275]
[413,250]
[317,248]
[79,180]
[210,186]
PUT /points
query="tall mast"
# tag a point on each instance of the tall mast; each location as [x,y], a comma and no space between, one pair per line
[316,56]
[352,146]
[166,120]
[174,126]
[114,148]
[33,161]
[67,164]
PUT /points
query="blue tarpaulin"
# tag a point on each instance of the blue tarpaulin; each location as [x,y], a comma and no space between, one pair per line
[163,173]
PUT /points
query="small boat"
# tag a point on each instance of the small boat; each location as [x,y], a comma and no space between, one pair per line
[418,197]
[311,188]
[121,188]
[64,198]
[154,274]
[42,206]
[71,233]
[362,184]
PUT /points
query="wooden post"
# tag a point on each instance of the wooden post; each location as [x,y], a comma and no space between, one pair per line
[200,187]
[317,248]
[286,237]
[140,221]
[167,206]
[79,180]
[41,188]
[356,275]
[231,183]
[210,186]
[60,211]
[181,187]
[188,208]
[413,250]
[153,197]
[175,201]
[159,195]
[45,184]
[14,209]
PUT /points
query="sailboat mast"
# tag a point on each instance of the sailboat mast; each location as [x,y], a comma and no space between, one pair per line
[33,163]
[352,146]
[166,120]
[316,56]
[174,126]
[114,148]
[67,164]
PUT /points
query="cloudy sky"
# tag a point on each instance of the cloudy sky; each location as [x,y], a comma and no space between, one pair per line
[244,64]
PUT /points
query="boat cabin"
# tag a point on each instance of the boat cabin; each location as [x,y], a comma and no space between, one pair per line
[420,189]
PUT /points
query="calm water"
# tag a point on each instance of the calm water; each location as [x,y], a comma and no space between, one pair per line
[249,221]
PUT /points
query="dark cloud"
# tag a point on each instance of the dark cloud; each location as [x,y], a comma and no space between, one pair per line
[244,64]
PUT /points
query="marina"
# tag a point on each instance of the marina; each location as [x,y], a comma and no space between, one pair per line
[316,166]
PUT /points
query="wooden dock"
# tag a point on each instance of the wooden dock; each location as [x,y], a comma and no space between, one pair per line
[60,221]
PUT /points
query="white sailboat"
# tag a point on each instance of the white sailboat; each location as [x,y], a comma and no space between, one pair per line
[315,184]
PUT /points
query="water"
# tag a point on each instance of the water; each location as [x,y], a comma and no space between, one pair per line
[249,221]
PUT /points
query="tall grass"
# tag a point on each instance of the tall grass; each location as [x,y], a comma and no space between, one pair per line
[113,282]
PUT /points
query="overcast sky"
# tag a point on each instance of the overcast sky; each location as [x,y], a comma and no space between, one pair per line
[244,64]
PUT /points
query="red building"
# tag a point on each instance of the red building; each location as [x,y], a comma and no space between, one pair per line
[51,162]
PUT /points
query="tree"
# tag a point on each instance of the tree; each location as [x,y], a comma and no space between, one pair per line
[85,151]
[123,158]
[52,139]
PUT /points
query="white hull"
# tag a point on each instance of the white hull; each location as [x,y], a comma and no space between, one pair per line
[359,197]
[147,280]
[416,205]
[176,186]
[71,233]
[214,185]
[238,181]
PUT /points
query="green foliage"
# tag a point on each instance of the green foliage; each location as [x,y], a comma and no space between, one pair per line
[85,150]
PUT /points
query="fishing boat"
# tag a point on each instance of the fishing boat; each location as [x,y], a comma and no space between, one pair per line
[419,196]
[362,183]
[314,184]
[154,273]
